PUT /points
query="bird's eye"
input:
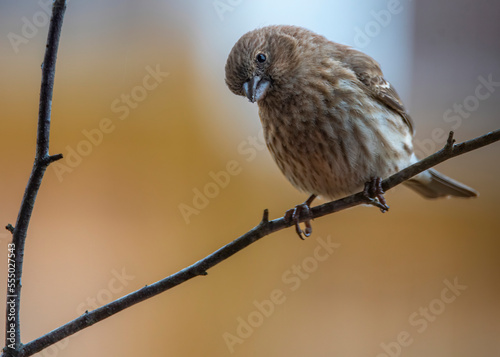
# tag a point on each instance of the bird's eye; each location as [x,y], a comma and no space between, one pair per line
[261,58]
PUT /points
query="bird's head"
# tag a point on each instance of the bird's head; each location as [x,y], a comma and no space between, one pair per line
[260,61]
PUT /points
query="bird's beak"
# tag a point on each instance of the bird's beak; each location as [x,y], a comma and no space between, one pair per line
[255,88]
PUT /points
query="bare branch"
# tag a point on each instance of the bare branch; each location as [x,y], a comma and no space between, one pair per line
[42,161]
[264,228]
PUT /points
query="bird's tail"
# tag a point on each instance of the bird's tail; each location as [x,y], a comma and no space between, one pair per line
[433,184]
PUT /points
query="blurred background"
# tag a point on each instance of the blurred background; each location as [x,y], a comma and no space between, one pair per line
[163,165]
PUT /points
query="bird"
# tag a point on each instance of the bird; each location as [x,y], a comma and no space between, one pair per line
[331,121]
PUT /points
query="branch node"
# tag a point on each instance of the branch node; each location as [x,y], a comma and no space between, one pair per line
[55,157]
[450,142]
[10,228]
[197,271]
[50,159]
[265,217]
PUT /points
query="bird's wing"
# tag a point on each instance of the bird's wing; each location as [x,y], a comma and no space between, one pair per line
[368,71]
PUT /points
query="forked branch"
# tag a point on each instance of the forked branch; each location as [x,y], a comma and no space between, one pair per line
[42,161]
[264,228]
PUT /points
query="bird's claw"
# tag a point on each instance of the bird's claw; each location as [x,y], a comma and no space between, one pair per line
[374,192]
[294,214]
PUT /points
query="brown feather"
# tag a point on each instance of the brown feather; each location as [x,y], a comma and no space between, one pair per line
[331,121]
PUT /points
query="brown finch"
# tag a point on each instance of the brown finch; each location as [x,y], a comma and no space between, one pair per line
[331,121]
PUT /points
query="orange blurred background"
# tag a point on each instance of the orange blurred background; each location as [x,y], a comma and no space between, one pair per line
[144,119]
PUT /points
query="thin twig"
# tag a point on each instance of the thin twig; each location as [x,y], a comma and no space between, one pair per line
[264,228]
[42,161]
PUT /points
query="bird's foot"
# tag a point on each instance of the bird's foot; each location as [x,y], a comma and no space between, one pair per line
[375,194]
[294,214]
